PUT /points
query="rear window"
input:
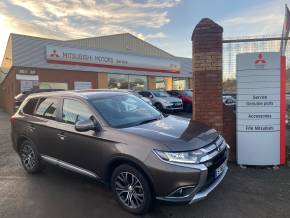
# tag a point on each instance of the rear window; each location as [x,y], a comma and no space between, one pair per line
[30,106]
[47,108]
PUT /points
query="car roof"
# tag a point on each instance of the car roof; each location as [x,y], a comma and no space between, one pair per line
[87,94]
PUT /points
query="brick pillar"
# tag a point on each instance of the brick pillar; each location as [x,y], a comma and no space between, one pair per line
[151,82]
[102,81]
[168,83]
[207,74]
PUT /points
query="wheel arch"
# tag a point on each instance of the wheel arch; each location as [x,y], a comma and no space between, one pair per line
[20,140]
[117,161]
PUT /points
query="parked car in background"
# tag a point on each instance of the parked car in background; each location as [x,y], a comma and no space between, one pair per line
[137,94]
[18,99]
[185,96]
[120,140]
[229,100]
[162,100]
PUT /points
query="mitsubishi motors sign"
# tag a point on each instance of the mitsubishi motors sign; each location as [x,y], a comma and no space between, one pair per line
[113,60]
[260,109]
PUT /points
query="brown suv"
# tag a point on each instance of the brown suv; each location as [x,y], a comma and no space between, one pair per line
[117,138]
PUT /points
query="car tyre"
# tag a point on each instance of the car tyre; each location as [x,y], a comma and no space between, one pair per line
[131,189]
[159,107]
[30,158]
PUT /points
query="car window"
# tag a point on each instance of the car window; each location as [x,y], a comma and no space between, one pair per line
[160,94]
[30,106]
[124,110]
[188,93]
[73,111]
[145,94]
[47,108]
[173,93]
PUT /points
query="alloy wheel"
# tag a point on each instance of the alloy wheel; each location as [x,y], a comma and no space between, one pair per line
[28,157]
[129,190]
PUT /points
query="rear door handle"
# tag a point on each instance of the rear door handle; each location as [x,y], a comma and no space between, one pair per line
[61,136]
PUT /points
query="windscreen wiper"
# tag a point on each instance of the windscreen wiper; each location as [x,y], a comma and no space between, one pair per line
[148,121]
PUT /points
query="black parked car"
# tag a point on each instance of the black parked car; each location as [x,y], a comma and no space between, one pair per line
[117,138]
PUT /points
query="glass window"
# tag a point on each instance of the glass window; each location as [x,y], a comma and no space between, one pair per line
[187,93]
[50,85]
[145,94]
[180,83]
[126,110]
[157,93]
[173,93]
[74,111]
[30,106]
[160,82]
[137,82]
[118,81]
[47,108]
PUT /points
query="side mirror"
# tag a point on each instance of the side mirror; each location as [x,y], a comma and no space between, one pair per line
[150,96]
[86,125]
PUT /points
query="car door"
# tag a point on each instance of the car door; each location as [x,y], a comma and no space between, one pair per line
[79,149]
[44,125]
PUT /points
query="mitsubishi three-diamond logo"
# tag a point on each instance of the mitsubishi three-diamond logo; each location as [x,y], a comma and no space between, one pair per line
[260,61]
[54,54]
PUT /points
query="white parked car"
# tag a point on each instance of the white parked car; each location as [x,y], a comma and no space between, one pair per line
[131,92]
[162,100]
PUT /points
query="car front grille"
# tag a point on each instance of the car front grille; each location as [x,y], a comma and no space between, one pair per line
[176,104]
[213,164]
[216,156]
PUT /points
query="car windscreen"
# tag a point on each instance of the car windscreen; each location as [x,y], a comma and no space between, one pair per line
[123,111]
[160,94]
[188,93]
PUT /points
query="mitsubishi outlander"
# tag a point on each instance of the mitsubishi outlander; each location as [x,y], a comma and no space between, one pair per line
[120,140]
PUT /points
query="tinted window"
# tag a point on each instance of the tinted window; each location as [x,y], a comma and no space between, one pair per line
[74,111]
[47,108]
[30,106]
[145,94]
[173,93]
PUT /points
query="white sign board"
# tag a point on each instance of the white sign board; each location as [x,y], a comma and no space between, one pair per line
[80,85]
[113,60]
[258,108]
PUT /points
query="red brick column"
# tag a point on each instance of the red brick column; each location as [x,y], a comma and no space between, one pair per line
[207,74]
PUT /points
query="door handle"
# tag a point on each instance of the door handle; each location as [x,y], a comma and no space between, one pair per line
[61,136]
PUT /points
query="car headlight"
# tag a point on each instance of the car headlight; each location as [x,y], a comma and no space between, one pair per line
[192,157]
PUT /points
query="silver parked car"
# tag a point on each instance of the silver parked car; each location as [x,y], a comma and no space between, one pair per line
[162,100]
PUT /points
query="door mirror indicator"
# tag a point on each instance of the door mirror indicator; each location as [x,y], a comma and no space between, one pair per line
[86,125]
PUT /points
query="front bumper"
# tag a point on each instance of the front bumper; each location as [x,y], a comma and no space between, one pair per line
[206,183]
[174,107]
[204,193]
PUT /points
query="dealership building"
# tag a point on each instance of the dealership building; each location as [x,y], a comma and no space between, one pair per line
[120,61]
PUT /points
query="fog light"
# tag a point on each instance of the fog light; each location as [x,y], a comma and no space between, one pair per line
[182,192]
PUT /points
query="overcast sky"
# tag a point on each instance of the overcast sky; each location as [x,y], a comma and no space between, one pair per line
[168,24]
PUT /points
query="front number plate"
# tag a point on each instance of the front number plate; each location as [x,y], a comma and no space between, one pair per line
[220,169]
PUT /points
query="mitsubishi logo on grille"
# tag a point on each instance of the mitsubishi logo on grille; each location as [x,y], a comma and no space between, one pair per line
[218,148]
